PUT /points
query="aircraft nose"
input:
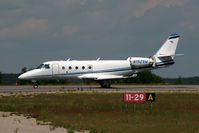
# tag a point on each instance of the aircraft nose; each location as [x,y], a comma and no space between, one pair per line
[22,76]
[30,75]
[25,76]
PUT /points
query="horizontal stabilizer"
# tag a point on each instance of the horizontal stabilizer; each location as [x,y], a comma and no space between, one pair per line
[179,54]
[165,56]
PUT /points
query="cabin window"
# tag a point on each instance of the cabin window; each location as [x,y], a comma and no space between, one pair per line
[63,67]
[76,67]
[83,67]
[89,67]
[70,67]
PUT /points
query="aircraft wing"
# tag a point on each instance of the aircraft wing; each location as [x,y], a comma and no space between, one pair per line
[101,76]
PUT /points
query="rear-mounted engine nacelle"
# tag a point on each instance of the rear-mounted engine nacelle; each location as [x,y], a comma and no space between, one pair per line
[141,62]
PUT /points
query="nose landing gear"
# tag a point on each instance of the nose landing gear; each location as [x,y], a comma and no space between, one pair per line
[35,84]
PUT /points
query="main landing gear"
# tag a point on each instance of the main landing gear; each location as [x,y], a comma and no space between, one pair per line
[105,84]
[35,84]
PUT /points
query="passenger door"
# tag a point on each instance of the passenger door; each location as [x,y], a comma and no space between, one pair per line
[55,69]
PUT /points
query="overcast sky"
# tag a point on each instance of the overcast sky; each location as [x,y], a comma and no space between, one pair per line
[34,31]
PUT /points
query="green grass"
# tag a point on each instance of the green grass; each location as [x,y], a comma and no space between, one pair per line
[106,112]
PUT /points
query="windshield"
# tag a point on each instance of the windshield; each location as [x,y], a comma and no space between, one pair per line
[46,66]
[40,66]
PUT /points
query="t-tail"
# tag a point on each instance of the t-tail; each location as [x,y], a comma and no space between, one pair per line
[165,55]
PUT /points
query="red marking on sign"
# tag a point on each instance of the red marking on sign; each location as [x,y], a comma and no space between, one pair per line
[134,97]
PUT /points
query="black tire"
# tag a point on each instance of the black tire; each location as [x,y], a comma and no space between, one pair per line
[35,85]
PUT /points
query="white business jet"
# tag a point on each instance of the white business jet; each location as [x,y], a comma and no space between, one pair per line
[104,70]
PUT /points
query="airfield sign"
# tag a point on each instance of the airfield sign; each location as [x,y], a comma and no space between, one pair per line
[134,97]
[139,97]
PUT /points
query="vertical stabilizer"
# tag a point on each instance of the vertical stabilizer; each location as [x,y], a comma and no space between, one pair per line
[165,55]
[168,49]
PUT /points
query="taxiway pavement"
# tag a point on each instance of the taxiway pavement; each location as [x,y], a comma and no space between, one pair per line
[115,88]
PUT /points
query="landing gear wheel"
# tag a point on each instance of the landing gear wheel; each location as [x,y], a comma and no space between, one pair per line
[105,84]
[35,85]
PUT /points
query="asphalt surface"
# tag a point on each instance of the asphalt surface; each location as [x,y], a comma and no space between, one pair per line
[115,88]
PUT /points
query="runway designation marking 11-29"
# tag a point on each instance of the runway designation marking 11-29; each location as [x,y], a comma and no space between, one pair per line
[139,97]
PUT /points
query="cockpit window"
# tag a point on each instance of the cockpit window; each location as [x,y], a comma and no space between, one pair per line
[46,66]
[40,66]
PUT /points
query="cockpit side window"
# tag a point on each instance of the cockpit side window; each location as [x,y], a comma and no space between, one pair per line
[47,66]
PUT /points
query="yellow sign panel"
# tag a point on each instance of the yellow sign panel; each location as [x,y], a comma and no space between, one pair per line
[150,97]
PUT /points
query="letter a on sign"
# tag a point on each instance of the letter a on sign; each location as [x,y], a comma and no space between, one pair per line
[150,97]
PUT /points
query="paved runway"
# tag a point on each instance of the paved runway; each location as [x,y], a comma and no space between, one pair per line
[115,88]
